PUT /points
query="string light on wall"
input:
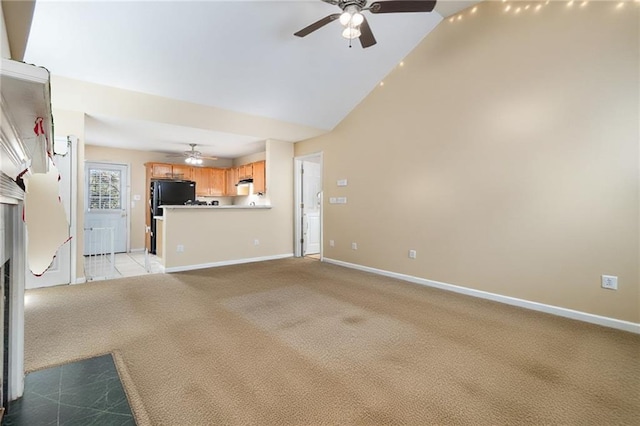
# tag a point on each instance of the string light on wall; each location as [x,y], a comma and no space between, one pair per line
[516,7]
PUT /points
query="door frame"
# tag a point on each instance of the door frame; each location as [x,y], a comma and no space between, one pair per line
[127,197]
[73,219]
[297,200]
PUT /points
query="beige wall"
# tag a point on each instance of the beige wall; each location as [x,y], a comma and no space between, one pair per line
[18,16]
[251,158]
[96,99]
[210,236]
[5,52]
[135,160]
[506,152]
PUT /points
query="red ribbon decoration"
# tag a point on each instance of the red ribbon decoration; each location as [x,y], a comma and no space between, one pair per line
[39,127]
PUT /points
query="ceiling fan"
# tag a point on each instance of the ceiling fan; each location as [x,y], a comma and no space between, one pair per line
[192,156]
[354,22]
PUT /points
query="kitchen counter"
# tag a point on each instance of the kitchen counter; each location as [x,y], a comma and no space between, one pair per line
[218,207]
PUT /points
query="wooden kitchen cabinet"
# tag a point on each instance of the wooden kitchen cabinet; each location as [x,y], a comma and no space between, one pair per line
[217,182]
[231,180]
[245,171]
[170,171]
[201,178]
[240,171]
[183,172]
[160,170]
[259,177]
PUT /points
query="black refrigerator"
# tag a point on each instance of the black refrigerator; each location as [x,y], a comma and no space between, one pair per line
[165,193]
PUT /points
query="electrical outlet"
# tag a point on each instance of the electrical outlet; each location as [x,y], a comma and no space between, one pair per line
[354,246]
[332,243]
[610,282]
[180,248]
[412,254]
[256,242]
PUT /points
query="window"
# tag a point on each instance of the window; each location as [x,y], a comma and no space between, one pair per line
[104,189]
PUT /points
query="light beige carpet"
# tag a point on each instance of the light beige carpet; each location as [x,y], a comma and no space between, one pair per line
[300,342]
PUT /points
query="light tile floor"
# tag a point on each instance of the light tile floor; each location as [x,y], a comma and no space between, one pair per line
[125,265]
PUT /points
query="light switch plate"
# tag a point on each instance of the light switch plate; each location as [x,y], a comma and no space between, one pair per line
[342,182]
[610,282]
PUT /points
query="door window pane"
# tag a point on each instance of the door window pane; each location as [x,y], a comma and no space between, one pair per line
[104,189]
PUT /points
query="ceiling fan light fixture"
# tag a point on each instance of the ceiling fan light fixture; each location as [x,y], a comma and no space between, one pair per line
[357,19]
[351,16]
[188,160]
[351,32]
[345,18]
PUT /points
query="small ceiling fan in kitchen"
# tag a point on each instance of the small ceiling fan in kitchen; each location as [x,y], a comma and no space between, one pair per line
[354,22]
[192,156]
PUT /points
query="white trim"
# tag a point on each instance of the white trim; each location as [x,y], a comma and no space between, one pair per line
[535,306]
[297,185]
[297,226]
[137,250]
[80,280]
[73,151]
[226,263]
[15,375]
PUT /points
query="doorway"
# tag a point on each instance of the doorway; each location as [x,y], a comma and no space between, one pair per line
[308,217]
[106,208]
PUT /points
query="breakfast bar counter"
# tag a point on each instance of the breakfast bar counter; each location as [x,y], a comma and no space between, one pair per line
[228,207]
[201,236]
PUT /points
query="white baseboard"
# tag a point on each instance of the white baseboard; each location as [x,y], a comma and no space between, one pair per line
[226,263]
[137,250]
[80,280]
[535,306]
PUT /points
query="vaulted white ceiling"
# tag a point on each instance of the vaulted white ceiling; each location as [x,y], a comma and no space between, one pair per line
[239,56]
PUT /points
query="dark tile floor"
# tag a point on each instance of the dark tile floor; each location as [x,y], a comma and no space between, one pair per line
[82,393]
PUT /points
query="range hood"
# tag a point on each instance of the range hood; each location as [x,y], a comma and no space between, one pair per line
[244,182]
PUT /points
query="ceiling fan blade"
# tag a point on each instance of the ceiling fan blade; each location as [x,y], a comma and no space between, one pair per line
[398,6]
[175,155]
[317,25]
[366,36]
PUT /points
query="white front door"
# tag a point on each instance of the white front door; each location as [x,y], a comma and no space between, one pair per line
[311,203]
[60,270]
[105,206]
